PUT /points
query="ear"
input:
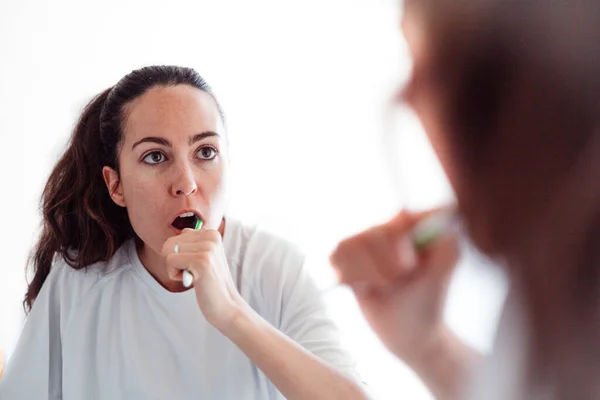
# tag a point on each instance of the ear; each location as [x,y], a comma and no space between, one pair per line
[114,186]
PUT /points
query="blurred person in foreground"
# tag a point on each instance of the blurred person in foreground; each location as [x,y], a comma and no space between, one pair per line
[509,96]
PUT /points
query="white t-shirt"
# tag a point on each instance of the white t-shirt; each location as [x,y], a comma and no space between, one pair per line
[111,331]
[500,377]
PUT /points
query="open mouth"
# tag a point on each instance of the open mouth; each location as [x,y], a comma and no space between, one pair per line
[186,220]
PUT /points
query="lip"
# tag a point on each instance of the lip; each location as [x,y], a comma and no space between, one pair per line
[178,231]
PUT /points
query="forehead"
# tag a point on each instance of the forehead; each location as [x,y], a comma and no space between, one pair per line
[171,111]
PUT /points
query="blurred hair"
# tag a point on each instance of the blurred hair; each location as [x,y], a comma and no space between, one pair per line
[518,87]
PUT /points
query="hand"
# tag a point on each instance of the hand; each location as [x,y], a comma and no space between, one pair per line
[201,253]
[400,291]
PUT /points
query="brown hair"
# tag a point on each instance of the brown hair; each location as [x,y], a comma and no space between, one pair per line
[518,86]
[81,223]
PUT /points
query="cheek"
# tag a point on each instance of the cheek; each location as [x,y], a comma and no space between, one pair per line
[431,120]
[143,200]
[138,187]
[467,183]
[140,198]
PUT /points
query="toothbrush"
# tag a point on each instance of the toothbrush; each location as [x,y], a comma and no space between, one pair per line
[188,278]
[432,227]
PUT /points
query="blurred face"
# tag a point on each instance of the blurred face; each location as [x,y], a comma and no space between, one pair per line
[173,161]
[480,212]
[420,96]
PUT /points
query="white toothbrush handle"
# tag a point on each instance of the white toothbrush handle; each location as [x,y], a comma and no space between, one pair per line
[188,278]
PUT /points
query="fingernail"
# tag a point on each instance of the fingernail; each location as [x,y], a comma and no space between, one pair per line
[176,249]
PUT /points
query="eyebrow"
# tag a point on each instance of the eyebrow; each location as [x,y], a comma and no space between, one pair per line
[164,142]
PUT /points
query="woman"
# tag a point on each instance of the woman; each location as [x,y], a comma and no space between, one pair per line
[109,316]
[508,93]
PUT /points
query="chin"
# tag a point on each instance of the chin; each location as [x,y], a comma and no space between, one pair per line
[152,242]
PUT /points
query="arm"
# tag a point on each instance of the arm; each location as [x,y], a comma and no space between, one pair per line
[446,367]
[295,345]
[402,292]
[297,373]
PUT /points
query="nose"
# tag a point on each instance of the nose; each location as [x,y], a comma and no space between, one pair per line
[184,184]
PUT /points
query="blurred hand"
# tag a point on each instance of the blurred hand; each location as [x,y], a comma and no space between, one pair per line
[401,291]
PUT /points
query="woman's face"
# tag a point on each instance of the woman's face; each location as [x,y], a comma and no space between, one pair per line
[172,159]
[421,96]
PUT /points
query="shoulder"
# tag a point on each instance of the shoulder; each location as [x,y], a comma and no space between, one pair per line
[66,286]
[269,268]
[264,250]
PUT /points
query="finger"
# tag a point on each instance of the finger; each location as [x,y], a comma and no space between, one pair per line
[370,292]
[400,223]
[195,263]
[190,240]
[193,247]
[383,253]
[424,230]
[377,255]
[175,274]
[210,235]
[392,254]
[353,263]
[435,263]
[405,220]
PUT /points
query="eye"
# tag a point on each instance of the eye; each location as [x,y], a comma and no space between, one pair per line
[155,157]
[207,153]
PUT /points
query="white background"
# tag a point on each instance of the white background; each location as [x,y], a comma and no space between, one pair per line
[304,85]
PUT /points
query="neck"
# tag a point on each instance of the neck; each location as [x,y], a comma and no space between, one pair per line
[155,264]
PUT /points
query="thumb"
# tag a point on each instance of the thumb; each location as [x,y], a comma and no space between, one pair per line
[406,220]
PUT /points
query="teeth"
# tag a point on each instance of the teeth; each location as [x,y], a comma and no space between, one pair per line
[186,214]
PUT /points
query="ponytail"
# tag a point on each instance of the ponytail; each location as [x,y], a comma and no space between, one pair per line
[81,223]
